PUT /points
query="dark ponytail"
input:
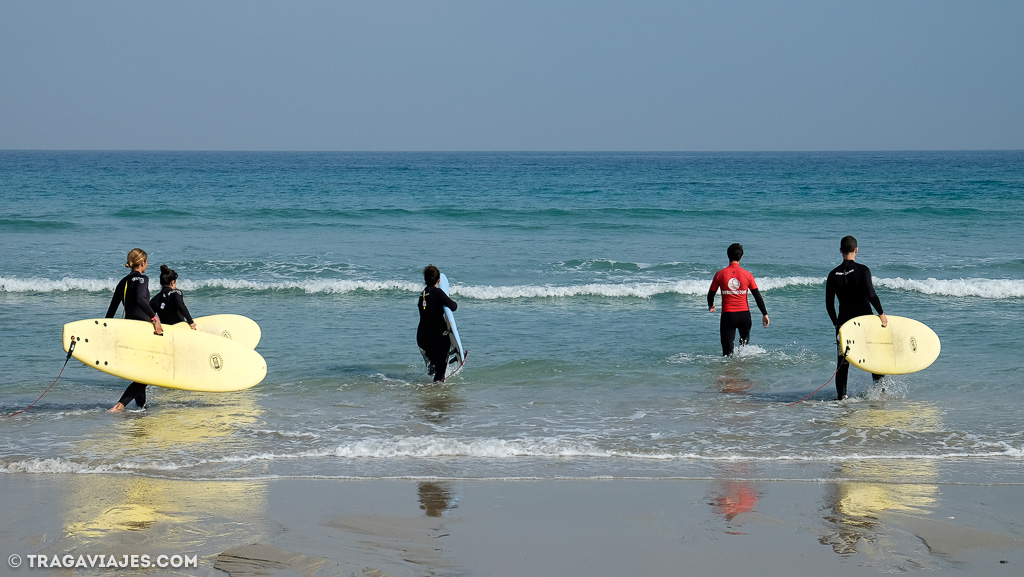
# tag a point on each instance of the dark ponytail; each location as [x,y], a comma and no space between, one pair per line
[167,276]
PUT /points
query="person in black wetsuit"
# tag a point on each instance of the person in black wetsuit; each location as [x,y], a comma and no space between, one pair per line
[133,292]
[850,282]
[432,333]
[169,304]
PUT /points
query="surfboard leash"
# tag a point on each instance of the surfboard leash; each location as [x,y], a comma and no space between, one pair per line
[71,349]
[815,390]
[822,386]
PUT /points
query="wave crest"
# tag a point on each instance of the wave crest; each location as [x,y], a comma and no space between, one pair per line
[963,287]
[488,448]
[972,287]
[44,285]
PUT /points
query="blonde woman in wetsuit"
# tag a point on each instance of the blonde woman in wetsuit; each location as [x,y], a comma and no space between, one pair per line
[133,292]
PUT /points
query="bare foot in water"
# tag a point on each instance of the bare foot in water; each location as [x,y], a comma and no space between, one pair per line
[117,408]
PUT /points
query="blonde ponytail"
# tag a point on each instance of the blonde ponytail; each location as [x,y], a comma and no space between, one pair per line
[136,257]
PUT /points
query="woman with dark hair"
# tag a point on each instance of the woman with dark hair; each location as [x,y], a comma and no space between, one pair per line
[170,303]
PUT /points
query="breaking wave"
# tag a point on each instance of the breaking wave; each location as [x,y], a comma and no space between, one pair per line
[969,287]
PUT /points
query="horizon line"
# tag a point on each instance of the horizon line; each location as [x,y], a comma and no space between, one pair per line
[515,151]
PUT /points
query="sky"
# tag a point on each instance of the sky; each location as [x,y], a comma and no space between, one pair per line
[386,75]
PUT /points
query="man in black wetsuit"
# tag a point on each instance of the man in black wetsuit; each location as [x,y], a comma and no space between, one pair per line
[432,333]
[850,282]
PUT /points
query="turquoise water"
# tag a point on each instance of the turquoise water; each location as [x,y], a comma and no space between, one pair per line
[581,283]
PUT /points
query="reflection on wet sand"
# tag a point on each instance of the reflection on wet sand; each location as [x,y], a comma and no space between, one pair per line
[436,498]
[872,486]
[437,404]
[735,497]
[129,513]
[397,542]
[733,494]
[126,512]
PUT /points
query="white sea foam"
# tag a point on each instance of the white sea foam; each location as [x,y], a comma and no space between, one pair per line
[751,351]
[431,446]
[972,287]
[329,286]
[780,282]
[57,465]
[440,447]
[744,352]
[632,290]
[434,446]
[44,285]
[437,447]
[289,434]
[969,287]
[311,286]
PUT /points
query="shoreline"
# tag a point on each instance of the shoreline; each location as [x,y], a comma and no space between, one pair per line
[727,526]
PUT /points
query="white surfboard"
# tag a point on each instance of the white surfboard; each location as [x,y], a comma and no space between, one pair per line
[903,346]
[242,330]
[179,359]
[457,353]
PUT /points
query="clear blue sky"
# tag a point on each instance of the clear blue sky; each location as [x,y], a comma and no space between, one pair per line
[512,75]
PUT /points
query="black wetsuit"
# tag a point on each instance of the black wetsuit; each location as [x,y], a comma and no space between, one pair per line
[170,306]
[133,292]
[432,333]
[850,282]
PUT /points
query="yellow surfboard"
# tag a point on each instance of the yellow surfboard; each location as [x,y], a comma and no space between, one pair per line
[903,346]
[242,330]
[179,359]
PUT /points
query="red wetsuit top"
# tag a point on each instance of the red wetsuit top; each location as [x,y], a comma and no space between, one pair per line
[735,283]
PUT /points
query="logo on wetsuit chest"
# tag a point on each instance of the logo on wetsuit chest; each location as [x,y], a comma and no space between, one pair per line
[216,361]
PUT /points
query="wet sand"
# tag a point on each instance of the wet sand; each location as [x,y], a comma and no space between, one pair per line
[378,528]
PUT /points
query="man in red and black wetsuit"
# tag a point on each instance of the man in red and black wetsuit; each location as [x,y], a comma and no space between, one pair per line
[735,283]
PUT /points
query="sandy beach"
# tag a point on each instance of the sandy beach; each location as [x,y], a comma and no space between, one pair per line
[377,528]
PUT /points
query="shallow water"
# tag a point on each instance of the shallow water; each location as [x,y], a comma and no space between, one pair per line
[581,283]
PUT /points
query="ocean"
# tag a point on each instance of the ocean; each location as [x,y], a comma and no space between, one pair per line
[581,280]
